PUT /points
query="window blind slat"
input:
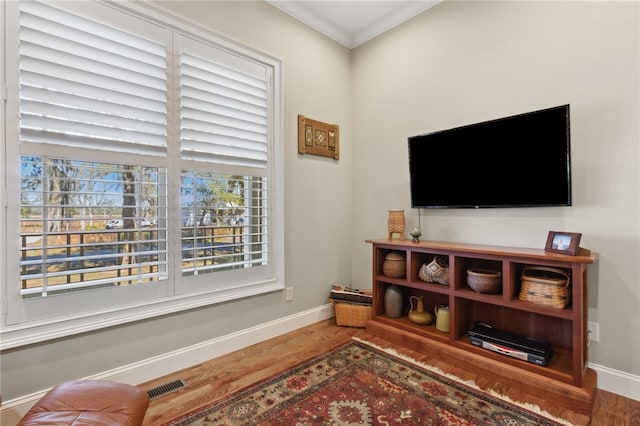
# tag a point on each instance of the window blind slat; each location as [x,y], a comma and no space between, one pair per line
[93,118]
[233,107]
[223,127]
[93,134]
[58,100]
[224,152]
[224,145]
[231,115]
[40,137]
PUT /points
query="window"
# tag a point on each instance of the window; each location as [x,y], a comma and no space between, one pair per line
[224,225]
[69,239]
[146,165]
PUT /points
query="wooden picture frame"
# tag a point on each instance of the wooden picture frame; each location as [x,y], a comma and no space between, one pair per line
[563,242]
[318,138]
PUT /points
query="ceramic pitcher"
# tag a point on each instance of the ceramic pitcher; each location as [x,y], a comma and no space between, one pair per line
[442,318]
[417,314]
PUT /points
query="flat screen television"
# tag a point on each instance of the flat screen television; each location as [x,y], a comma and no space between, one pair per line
[522,160]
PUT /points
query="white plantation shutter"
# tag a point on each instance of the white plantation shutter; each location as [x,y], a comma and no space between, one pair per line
[89,85]
[93,87]
[224,107]
[123,120]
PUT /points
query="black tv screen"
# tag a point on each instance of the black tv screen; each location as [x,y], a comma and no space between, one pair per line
[522,160]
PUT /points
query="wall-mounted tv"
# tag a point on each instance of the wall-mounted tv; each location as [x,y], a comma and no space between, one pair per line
[522,160]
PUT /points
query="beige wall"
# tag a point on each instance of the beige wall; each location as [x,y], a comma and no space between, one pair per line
[464,62]
[456,64]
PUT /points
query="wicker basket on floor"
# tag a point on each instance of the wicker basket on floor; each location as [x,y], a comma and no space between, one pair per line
[351,315]
[545,286]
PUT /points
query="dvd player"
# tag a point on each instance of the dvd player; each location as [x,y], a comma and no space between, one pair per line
[521,347]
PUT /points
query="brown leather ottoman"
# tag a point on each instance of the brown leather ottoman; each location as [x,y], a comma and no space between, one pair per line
[89,402]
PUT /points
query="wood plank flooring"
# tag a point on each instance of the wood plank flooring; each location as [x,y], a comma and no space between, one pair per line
[215,379]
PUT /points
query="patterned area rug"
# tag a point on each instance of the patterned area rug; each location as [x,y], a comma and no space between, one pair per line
[358,384]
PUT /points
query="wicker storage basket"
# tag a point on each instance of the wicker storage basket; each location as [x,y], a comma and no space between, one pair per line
[350,315]
[545,286]
[395,265]
[484,280]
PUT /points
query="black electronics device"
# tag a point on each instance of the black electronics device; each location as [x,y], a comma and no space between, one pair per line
[514,345]
[531,151]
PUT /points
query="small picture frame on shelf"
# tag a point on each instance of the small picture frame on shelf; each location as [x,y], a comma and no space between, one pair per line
[563,242]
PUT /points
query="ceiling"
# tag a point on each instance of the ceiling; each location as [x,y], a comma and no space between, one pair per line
[353,22]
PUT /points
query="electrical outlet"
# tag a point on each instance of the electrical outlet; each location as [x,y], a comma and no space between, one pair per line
[289,294]
[594,331]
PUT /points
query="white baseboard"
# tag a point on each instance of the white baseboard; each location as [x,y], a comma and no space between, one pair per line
[608,379]
[618,382]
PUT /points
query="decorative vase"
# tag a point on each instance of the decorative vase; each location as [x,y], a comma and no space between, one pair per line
[417,314]
[442,318]
[395,223]
[393,301]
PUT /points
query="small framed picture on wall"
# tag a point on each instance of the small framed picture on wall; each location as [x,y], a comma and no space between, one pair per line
[563,242]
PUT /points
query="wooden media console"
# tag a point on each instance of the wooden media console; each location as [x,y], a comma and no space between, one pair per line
[566,378]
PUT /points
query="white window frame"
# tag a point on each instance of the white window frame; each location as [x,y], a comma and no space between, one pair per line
[145,301]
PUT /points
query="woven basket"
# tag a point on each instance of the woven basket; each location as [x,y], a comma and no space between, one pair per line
[436,271]
[545,286]
[395,265]
[484,280]
[349,315]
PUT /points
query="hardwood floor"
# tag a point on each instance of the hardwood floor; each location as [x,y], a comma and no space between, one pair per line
[217,378]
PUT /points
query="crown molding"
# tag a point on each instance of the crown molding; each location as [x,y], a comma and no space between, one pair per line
[360,32]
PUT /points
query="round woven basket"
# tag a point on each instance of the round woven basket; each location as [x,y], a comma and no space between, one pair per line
[484,280]
[546,286]
[395,265]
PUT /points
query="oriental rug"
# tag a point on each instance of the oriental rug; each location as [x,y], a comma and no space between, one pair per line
[360,384]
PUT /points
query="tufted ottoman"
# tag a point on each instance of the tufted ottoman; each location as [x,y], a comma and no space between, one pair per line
[89,402]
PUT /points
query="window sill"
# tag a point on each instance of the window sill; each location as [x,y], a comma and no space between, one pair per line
[27,334]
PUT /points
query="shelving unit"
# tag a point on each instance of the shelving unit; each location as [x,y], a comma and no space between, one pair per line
[566,375]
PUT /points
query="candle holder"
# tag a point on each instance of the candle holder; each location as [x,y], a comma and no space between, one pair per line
[415,234]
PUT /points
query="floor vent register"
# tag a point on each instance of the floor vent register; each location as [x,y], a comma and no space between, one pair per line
[166,388]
